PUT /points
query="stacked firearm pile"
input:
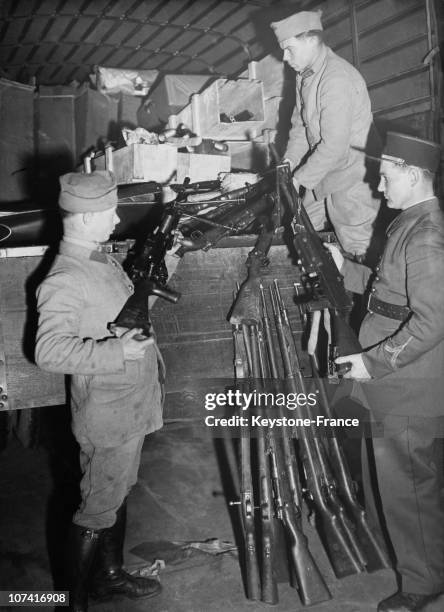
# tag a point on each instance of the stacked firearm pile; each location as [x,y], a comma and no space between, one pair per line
[291,466]
[282,469]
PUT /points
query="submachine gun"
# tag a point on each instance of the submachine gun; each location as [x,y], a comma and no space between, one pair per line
[148,271]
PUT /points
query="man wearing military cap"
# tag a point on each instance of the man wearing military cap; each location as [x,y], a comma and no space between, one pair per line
[114,387]
[332,112]
[400,371]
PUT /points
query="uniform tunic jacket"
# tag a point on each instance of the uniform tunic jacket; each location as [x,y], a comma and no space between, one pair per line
[406,358]
[111,399]
[332,113]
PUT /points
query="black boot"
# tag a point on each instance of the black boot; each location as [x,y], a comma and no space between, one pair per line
[82,548]
[110,578]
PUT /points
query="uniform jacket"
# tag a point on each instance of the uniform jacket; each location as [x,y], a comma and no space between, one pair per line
[111,399]
[332,112]
[406,358]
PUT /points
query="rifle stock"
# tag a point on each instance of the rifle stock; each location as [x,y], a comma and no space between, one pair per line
[246,307]
[311,584]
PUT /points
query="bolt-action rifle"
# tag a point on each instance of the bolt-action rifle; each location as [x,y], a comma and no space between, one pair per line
[252,577]
[375,552]
[338,538]
[269,593]
[287,492]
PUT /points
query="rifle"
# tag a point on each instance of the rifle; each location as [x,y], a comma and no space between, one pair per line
[246,307]
[374,551]
[269,584]
[341,547]
[242,363]
[288,495]
[324,279]
[148,271]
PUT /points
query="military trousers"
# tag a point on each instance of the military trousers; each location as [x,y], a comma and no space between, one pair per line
[352,212]
[408,457]
[108,475]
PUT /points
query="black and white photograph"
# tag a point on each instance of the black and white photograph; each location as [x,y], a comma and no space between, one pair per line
[221,305]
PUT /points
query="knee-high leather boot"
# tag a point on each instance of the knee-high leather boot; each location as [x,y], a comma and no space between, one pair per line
[82,548]
[110,578]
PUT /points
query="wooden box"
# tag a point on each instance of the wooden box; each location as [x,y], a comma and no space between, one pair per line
[226,110]
[271,71]
[200,167]
[138,163]
[171,94]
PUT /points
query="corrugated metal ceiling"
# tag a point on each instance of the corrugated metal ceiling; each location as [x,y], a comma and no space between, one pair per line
[58,41]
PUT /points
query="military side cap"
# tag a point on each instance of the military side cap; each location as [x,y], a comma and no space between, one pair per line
[91,192]
[297,24]
[412,151]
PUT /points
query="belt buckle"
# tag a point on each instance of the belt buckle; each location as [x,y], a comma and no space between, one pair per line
[369,299]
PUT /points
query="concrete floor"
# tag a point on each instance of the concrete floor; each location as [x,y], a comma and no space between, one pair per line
[180,497]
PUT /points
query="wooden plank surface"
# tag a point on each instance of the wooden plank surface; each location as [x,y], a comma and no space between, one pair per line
[193,334]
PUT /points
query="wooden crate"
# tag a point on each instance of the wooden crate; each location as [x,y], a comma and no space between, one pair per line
[200,167]
[271,71]
[215,112]
[138,163]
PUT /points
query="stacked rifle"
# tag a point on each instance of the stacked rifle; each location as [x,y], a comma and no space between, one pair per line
[283,468]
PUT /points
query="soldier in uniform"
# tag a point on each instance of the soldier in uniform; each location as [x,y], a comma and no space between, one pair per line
[331,115]
[400,371]
[114,386]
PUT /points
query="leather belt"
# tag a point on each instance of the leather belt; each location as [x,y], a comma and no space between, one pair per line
[392,311]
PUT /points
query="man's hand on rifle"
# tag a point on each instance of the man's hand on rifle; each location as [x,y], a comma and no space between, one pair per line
[357,370]
[338,257]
